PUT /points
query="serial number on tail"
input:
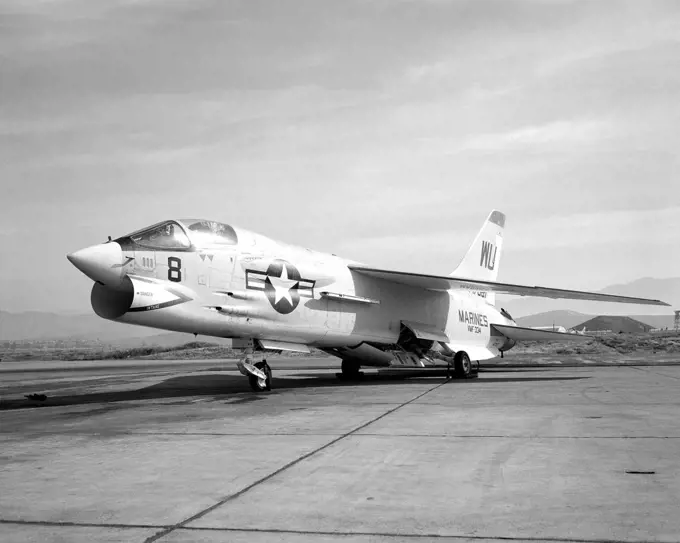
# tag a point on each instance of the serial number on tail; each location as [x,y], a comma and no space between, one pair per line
[488,255]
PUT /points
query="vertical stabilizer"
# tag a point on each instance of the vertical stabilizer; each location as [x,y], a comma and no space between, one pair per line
[483,258]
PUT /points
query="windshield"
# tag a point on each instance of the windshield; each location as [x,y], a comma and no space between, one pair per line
[167,235]
[206,233]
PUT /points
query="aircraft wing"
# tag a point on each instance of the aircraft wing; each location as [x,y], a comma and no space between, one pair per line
[531,334]
[445,282]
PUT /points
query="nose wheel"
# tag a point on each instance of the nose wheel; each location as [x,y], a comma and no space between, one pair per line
[257,383]
[259,374]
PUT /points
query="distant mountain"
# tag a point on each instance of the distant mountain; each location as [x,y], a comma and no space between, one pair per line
[667,290]
[570,319]
[528,311]
[40,325]
[168,339]
[655,321]
[558,318]
[36,325]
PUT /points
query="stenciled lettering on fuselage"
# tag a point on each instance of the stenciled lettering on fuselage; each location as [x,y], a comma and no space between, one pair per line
[166,296]
[488,256]
[475,321]
[282,285]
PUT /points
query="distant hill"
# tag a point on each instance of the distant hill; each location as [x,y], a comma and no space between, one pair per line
[655,321]
[570,319]
[616,324]
[667,290]
[40,325]
[166,339]
[171,339]
[36,325]
[558,318]
[538,311]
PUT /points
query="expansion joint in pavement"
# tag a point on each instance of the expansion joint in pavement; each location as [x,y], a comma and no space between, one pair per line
[66,524]
[402,536]
[382,535]
[501,436]
[266,478]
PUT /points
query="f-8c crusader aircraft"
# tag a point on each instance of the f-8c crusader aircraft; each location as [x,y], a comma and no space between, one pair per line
[209,278]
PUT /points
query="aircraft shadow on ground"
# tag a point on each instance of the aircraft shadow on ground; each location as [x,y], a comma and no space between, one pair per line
[222,387]
[521,369]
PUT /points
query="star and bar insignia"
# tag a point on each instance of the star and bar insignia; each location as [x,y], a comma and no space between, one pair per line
[282,284]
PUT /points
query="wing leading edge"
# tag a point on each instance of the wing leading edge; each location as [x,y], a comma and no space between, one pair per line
[444,282]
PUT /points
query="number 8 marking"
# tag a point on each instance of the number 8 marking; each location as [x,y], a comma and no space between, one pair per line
[174,269]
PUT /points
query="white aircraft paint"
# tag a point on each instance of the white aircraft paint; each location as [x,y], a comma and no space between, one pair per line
[212,279]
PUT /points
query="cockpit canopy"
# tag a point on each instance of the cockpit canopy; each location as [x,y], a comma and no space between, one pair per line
[184,235]
[166,235]
[210,233]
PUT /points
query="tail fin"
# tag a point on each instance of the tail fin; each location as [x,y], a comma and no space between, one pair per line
[484,255]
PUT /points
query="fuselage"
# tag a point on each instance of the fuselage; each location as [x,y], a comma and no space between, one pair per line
[212,279]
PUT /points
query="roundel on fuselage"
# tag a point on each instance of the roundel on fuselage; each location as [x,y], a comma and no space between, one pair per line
[282,284]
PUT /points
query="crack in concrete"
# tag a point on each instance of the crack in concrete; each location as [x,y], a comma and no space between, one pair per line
[418,536]
[67,524]
[308,532]
[514,437]
[230,434]
[231,497]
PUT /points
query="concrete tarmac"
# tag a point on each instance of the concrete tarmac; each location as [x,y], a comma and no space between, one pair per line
[184,451]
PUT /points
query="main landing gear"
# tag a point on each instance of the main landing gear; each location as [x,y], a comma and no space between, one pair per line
[350,370]
[259,374]
[462,365]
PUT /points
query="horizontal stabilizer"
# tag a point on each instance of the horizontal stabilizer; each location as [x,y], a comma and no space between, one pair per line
[531,334]
[443,282]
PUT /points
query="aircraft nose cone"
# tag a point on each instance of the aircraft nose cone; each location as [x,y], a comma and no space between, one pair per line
[102,263]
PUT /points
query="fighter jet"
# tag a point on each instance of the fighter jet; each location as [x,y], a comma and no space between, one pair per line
[210,278]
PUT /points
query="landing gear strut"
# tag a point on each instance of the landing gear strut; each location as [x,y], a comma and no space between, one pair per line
[259,374]
[258,384]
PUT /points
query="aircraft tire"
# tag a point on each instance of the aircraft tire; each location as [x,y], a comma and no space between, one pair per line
[462,365]
[255,382]
[350,369]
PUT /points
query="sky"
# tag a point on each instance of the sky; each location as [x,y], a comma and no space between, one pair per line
[382,130]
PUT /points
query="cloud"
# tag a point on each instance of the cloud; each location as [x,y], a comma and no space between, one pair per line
[621,228]
[380,130]
[559,133]
[433,250]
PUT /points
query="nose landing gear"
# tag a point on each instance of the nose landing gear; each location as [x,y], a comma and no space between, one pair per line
[259,384]
[259,374]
